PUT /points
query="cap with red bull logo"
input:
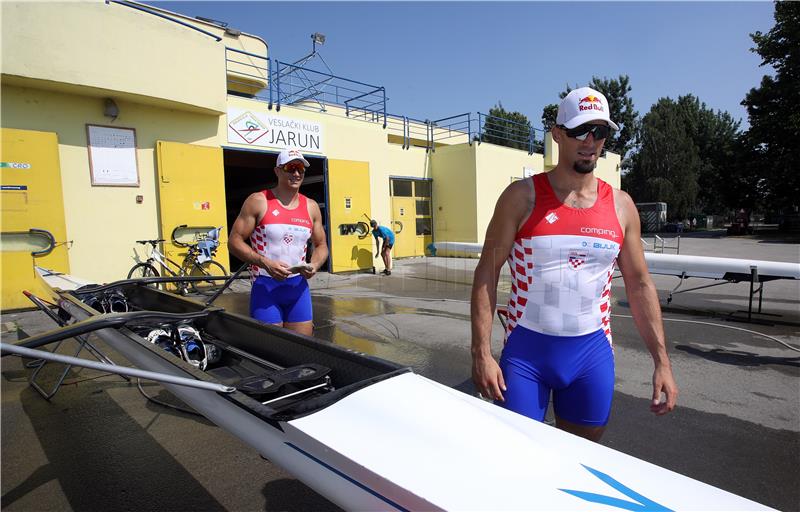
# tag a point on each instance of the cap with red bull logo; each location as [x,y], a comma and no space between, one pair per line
[583,105]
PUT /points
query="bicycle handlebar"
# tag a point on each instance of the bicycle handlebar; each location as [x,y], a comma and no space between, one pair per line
[152,242]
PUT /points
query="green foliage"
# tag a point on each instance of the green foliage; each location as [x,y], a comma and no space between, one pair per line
[504,128]
[549,113]
[623,113]
[714,134]
[774,117]
[667,164]
[688,158]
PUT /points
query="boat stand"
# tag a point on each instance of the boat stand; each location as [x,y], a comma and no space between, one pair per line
[756,287]
[38,364]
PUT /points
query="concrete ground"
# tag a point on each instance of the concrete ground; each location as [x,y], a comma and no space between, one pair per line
[100,445]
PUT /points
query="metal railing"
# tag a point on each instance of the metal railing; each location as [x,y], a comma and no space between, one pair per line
[280,83]
[164,16]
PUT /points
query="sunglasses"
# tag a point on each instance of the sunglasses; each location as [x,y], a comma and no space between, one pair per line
[294,168]
[598,131]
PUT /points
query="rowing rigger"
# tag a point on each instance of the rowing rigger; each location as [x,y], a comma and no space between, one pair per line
[374,436]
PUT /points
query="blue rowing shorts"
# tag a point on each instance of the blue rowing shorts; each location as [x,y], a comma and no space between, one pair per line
[276,302]
[578,370]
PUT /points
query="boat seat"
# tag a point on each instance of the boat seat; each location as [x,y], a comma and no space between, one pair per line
[272,381]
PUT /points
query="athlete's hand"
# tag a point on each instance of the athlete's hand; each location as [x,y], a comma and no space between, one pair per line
[663,382]
[277,269]
[308,271]
[488,378]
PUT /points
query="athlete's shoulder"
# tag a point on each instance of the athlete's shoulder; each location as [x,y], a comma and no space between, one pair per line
[256,200]
[622,198]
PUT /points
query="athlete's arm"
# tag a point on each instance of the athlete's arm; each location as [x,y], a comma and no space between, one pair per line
[244,225]
[318,240]
[643,301]
[513,206]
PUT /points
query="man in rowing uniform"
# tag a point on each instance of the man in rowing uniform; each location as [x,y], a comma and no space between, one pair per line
[561,233]
[278,224]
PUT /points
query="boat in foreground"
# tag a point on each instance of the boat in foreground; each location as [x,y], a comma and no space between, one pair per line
[364,432]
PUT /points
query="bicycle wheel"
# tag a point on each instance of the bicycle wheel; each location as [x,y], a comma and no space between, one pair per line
[208,268]
[141,270]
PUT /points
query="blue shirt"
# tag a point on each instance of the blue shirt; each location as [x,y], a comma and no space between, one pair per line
[383,232]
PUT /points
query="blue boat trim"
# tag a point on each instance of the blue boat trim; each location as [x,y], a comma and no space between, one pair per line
[640,505]
[355,482]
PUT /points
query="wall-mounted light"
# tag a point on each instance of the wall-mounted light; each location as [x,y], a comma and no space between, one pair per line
[110,109]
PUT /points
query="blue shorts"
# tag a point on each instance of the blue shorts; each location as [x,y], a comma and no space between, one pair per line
[276,302]
[578,370]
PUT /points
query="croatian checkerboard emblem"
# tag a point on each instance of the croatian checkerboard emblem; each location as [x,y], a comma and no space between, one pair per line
[576,259]
[288,238]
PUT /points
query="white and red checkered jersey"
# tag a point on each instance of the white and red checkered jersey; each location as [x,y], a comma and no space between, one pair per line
[282,234]
[562,262]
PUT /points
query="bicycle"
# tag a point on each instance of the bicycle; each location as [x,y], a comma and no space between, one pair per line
[198,262]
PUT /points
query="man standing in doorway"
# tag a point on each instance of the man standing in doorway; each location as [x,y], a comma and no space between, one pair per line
[278,224]
[561,233]
[384,234]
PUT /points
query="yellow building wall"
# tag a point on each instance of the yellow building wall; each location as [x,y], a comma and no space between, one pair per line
[455,194]
[497,167]
[109,49]
[104,222]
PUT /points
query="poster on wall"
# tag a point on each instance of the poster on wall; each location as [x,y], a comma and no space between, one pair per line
[112,156]
[267,131]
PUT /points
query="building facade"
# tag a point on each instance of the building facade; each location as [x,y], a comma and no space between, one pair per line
[149,124]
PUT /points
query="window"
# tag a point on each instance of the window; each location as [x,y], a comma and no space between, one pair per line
[424,226]
[423,207]
[422,188]
[402,188]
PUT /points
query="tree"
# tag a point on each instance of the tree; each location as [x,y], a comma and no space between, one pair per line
[504,128]
[716,136]
[666,166]
[774,116]
[549,113]
[621,108]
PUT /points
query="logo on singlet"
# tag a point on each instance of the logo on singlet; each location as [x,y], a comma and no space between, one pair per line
[551,217]
[576,259]
[599,231]
[275,212]
[288,238]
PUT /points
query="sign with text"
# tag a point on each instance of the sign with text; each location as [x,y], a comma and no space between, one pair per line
[262,130]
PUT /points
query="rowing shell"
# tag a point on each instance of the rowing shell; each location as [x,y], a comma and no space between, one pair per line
[384,438]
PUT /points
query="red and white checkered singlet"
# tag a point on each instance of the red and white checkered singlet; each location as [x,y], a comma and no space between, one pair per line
[562,263]
[282,234]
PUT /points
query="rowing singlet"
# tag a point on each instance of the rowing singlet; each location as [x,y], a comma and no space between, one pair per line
[562,263]
[282,234]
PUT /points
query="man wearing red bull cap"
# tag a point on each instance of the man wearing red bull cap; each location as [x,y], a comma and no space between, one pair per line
[278,223]
[562,232]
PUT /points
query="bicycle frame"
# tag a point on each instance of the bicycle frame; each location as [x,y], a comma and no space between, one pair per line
[164,261]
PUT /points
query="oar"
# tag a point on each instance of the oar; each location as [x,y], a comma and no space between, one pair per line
[6,349]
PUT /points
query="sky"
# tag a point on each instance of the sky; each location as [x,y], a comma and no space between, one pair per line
[438,59]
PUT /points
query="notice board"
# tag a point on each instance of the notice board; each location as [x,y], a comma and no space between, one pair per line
[112,156]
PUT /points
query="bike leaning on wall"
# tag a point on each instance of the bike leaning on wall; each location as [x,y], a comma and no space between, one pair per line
[197,263]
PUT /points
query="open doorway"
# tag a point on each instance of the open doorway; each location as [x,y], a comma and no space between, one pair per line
[248,171]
